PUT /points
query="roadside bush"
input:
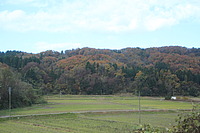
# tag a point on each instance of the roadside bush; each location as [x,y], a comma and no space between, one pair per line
[188,123]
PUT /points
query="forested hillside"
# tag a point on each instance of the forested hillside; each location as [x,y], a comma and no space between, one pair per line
[162,71]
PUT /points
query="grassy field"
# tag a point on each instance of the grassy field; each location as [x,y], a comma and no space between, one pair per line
[102,122]
[69,103]
[86,122]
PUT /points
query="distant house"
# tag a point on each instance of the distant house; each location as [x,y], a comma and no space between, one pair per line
[173,98]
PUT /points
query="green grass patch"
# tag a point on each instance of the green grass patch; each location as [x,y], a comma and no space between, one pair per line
[72,103]
[112,122]
[63,123]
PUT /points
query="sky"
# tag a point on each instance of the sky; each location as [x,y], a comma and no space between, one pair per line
[39,25]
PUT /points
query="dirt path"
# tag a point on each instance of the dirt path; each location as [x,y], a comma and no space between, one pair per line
[99,111]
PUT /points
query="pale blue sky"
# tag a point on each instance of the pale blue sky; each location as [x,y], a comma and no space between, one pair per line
[39,25]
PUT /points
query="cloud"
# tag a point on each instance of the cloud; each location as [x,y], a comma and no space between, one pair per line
[11,16]
[95,15]
[31,3]
[169,16]
[43,46]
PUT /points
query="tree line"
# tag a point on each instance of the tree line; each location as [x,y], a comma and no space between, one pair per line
[163,71]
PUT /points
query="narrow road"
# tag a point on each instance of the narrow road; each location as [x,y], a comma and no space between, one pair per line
[98,111]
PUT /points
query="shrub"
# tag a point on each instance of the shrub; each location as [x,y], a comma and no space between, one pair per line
[168,97]
[147,128]
[188,123]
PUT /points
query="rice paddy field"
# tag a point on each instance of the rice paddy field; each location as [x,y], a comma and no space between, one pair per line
[85,114]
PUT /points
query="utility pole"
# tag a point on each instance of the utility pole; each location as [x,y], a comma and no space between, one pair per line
[139,107]
[9,91]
